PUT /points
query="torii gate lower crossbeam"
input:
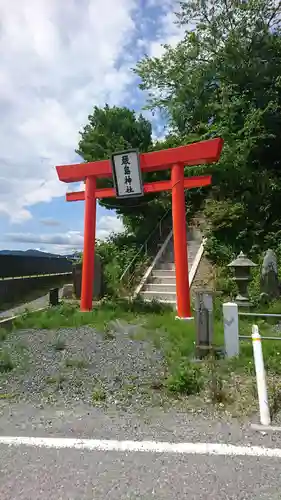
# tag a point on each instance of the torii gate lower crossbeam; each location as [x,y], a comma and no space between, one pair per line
[175,159]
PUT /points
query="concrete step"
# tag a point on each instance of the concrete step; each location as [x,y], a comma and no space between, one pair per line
[165,266]
[168,256]
[160,287]
[164,278]
[194,244]
[161,284]
[172,304]
[163,274]
[169,297]
[194,234]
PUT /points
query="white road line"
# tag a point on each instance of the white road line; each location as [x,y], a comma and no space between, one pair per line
[143,446]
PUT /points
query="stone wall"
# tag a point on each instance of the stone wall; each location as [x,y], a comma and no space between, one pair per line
[98,283]
[204,278]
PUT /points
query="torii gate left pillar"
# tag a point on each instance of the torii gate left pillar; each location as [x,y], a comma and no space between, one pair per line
[175,159]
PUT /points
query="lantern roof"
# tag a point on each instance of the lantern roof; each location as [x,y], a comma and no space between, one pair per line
[242,261]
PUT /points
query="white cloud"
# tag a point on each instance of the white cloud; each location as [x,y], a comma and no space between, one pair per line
[75,187]
[49,221]
[57,60]
[70,238]
[168,32]
[65,242]
[108,224]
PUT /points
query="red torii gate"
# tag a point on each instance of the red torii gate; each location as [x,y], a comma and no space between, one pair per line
[175,159]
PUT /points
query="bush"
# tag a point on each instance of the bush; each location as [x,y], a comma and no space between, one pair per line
[224,282]
[185,379]
[226,221]
[116,253]
[98,394]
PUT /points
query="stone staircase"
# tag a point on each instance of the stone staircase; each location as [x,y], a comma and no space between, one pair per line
[161,283]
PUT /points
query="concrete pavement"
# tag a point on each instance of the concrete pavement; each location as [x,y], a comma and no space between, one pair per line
[33,305]
[30,306]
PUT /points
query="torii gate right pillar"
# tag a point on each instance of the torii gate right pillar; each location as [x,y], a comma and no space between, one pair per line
[180,242]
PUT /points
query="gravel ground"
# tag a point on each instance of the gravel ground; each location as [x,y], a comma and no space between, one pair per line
[71,366]
[82,365]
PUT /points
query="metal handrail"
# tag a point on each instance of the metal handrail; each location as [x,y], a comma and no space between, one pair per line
[266,315]
[145,244]
[248,337]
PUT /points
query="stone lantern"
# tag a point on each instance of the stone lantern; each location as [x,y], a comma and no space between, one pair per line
[242,277]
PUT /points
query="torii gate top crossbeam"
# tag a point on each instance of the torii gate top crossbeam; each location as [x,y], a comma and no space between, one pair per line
[192,154]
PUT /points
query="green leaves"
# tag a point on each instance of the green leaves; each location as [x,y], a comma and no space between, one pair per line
[223,79]
[113,129]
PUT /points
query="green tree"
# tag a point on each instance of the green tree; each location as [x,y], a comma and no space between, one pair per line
[111,129]
[223,79]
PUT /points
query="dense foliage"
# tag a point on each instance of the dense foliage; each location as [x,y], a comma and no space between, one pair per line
[112,129]
[224,78]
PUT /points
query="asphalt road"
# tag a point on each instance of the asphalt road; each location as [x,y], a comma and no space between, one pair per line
[31,473]
[48,474]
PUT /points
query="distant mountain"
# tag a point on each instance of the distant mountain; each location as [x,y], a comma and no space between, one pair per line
[30,252]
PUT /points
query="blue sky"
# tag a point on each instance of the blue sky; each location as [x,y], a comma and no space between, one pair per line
[58,59]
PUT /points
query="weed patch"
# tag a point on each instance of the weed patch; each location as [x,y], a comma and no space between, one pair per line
[274,391]
[217,381]
[56,380]
[186,378]
[59,343]
[6,396]
[98,394]
[3,334]
[6,363]
[76,363]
